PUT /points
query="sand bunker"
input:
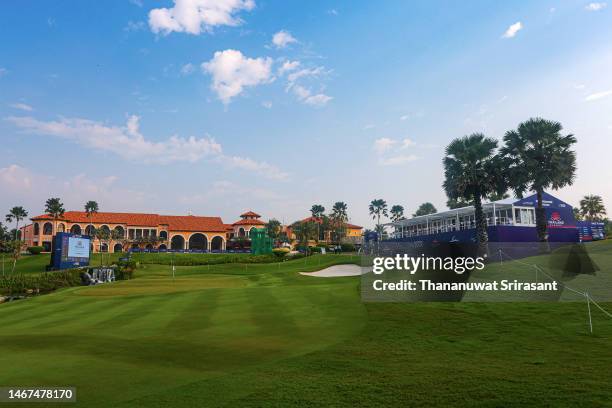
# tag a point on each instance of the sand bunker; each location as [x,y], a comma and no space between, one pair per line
[339,270]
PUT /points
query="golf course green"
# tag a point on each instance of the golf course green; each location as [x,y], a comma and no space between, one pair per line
[264,335]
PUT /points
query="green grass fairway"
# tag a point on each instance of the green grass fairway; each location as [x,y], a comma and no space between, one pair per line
[263,335]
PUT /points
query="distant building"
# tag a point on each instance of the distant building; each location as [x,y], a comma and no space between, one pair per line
[247,222]
[353,232]
[133,231]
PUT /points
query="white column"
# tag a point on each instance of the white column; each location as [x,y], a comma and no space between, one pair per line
[494,217]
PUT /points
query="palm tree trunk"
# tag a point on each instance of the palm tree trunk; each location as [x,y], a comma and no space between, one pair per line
[16,229]
[541,226]
[481,223]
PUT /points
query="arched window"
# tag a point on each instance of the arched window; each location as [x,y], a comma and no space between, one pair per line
[198,241]
[105,229]
[119,231]
[76,229]
[177,242]
[162,247]
[163,235]
[149,246]
[61,228]
[216,244]
[118,248]
[48,228]
[241,232]
[36,229]
[104,248]
[90,230]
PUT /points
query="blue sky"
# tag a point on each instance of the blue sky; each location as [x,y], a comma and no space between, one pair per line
[217,106]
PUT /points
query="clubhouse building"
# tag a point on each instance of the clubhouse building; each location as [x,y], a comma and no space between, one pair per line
[142,231]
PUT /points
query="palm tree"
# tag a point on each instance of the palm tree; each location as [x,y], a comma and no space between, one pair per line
[425,209]
[538,157]
[55,209]
[317,210]
[340,211]
[452,203]
[377,208]
[339,218]
[17,214]
[472,171]
[592,208]
[91,208]
[397,212]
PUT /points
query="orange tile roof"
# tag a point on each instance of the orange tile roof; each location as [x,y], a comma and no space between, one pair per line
[250,214]
[249,222]
[174,222]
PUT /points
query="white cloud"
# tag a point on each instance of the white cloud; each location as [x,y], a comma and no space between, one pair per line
[22,106]
[232,72]
[513,29]
[306,72]
[332,12]
[125,141]
[196,16]
[129,143]
[407,143]
[383,145]
[282,39]
[389,151]
[263,168]
[288,66]
[15,177]
[266,104]
[404,117]
[306,96]
[595,6]
[303,93]
[187,69]
[136,2]
[598,95]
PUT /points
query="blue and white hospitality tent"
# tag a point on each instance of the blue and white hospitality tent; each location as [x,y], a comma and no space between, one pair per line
[509,220]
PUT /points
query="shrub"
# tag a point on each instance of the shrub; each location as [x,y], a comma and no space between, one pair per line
[125,269]
[316,249]
[347,247]
[280,252]
[15,285]
[35,250]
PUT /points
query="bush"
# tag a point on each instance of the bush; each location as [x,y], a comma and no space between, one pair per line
[280,252]
[16,285]
[35,250]
[316,249]
[125,269]
[348,247]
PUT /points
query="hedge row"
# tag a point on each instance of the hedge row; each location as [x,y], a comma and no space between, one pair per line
[187,259]
[29,284]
